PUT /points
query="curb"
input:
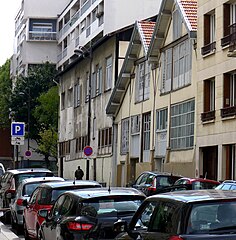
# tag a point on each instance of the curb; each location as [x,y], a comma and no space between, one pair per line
[6,234]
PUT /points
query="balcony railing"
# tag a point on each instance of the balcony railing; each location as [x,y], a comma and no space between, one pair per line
[208,116]
[209,48]
[225,40]
[42,36]
[228,111]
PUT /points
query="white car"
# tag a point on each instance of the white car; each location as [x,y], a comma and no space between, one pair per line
[23,192]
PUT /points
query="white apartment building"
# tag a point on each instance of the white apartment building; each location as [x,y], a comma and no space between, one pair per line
[99,30]
[36,34]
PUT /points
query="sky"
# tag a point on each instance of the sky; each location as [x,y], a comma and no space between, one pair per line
[8,11]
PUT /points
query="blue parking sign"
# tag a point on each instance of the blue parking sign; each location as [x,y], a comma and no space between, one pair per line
[18,129]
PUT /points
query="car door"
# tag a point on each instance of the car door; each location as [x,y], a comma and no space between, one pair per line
[29,211]
[54,218]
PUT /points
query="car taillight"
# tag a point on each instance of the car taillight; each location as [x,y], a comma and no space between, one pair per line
[175,238]
[153,187]
[19,201]
[79,226]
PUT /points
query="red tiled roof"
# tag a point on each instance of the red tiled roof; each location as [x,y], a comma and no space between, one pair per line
[190,12]
[146,30]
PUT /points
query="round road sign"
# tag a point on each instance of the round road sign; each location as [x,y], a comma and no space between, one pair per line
[88,151]
[28,153]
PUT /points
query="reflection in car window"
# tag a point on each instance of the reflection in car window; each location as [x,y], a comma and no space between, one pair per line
[166,218]
[208,217]
[145,216]
[66,205]
[57,205]
[142,179]
[33,197]
[233,187]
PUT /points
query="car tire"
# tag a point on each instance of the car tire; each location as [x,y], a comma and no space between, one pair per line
[26,234]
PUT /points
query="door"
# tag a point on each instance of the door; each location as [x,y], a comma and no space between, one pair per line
[210,162]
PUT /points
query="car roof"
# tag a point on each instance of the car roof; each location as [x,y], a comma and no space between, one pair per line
[161,173]
[68,183]
[102,192]
[191,196]
[199,180]
[26,170]
[41,179]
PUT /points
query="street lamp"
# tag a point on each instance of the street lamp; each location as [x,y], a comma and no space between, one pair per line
[84,52]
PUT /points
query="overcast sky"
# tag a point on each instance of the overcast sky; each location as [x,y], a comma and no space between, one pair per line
[8,11]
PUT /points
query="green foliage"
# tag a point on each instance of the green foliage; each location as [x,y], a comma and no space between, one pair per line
[5,92]
[48,143]
[26,92]
[46,112]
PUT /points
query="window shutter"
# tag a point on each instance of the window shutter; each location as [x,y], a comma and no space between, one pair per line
[226,19]
[226,90]
[206,96]
[206,29]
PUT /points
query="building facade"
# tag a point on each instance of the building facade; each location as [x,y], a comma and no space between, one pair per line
[92,47]
[155,114]
[216,135]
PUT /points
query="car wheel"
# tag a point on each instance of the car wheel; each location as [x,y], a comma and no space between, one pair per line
[26,234]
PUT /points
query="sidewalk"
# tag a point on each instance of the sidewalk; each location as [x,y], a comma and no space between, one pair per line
[6,234]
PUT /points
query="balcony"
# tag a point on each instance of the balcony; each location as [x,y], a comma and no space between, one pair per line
[232,42]
[208,116]
[42,36]
[228,111]
[209,48]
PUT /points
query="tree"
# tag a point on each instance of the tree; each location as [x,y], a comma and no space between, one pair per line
[25,94]
[46,114]
[5,92]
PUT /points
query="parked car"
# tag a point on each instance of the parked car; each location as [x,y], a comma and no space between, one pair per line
[12,178]
[150,182]
[227,185]
[89,214]
[24,191]
[183,215]
[43,197]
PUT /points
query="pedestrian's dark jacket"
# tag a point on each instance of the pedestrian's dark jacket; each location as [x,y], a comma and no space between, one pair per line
[79,174]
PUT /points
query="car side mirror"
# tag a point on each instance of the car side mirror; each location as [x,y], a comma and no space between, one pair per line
[43,213]
[25,203]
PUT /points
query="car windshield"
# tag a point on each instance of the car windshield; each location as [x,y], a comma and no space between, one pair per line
[203,185]
[20,177]
[205,218]
[29,188]
[111,206]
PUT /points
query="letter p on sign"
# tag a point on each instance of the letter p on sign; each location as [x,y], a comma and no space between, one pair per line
[18,129]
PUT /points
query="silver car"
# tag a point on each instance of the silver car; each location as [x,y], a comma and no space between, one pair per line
[24,191]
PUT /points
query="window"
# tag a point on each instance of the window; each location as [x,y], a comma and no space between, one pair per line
[93,85]
[177,25]
[146,131]
[125,136]
[176,62]
[209,95]
[99,81]
[229,90]
[104,137]
[63,101]
[209,33]
[87,89]
[182,125]
[135,124]
[143,81]
[70,97]
[81,142]
[77,95]
[162,116]
[108,83]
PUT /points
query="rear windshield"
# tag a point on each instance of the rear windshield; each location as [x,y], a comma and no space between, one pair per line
[166,181]
[211,218]
[20,177]
[112,206]
[29,188]
[49,197]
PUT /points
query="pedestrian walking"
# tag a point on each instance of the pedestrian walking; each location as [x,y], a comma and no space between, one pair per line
[79,173]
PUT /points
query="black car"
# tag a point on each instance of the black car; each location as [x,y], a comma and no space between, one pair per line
[151,182]
[89,214]
[183,215]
